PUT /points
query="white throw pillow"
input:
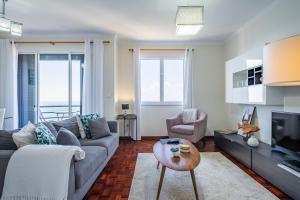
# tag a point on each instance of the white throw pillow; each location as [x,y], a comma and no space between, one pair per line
[81,129]
[25,136]
[189,116]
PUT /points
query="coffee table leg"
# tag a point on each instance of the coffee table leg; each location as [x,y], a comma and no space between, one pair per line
[157,164]
[194,183]
[163,170]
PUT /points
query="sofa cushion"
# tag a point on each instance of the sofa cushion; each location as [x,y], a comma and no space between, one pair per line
[44,135]
[99,128]
[85,125]
[66,137]
[84,169]
[109,142]
[183,129]
[70,124]
[25,136]
[51,127]
[6,140]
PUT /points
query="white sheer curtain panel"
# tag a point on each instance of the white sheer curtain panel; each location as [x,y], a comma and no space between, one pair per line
[93,77]
[137,91]
[188,96]
[8,83]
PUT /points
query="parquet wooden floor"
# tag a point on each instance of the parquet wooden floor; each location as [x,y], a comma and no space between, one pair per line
[115,180]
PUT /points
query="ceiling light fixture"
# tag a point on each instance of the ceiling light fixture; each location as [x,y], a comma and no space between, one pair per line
[7,25]
[189,20]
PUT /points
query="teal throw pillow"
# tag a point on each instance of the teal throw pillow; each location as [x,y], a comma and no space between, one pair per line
[44,135]
[85,123]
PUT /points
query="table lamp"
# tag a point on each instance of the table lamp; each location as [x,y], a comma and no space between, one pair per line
[125,107]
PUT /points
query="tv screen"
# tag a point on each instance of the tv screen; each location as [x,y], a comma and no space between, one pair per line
[286,130]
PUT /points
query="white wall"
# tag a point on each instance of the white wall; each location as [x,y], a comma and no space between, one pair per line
[208,79]
[281,19]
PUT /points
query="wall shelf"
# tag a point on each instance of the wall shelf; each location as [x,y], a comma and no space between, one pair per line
[244,81]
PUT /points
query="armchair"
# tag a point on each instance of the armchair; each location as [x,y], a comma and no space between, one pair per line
[193,132]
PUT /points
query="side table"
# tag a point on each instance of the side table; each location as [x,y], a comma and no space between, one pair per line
[128,117]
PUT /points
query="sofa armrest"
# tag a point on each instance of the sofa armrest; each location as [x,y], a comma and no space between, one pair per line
[5,156]
[113,126]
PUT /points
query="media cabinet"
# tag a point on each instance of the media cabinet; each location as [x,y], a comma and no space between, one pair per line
[261,160]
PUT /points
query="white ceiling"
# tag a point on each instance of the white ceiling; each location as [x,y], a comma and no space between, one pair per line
[130,19]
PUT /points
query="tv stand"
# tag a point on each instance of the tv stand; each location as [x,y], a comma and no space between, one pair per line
[293,164]
[278,151]
[263,160]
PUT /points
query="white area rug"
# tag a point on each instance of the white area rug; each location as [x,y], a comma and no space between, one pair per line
[217,179]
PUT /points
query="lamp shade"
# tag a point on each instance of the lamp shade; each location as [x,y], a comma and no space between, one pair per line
[282,62]
[125,106]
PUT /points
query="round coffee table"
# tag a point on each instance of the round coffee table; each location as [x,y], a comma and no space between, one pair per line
[185,162]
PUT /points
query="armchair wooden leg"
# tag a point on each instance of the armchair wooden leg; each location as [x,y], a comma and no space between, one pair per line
[201,143]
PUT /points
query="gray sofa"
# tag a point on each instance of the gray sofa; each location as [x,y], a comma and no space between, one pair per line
[83,173]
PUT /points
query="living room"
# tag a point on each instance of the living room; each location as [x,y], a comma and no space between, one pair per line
[107,85]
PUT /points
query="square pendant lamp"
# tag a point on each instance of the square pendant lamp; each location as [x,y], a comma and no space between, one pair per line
[16,29]
[7,25]
[189,20]
[4,24]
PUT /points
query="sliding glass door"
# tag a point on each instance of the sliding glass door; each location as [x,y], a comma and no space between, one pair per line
[53,86]
[76,82]
[57,87]
[27,84]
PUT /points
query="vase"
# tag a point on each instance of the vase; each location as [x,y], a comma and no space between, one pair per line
[253,141]
[246,138]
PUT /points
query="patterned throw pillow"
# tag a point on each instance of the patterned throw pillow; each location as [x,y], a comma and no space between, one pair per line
[85,124]
[44,135]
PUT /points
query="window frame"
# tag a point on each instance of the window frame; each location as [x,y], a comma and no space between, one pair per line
[161,57]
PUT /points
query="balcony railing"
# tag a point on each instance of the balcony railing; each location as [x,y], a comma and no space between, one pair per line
[57,112]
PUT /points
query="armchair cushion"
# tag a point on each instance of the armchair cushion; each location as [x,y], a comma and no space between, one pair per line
[183,129]
[189,116]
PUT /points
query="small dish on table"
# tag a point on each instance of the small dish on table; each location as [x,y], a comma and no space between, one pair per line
[184,148]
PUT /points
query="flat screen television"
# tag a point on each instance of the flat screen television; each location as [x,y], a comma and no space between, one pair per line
[286,131]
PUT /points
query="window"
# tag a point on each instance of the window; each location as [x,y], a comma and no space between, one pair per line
[150,80]
[162,79]
[173,80]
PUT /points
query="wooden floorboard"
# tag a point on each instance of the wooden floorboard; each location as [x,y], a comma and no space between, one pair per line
[115,180]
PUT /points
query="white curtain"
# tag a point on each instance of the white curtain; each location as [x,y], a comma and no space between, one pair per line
[188,98]
[137,91]
[8,83]
[93,77]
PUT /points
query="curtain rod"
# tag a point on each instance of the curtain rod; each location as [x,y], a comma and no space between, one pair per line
[56,42]
[160,50]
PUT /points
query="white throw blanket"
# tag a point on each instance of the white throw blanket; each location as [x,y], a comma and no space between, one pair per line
[40,172]
[189,116]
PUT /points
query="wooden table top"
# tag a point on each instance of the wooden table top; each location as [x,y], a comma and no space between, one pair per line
[185,162]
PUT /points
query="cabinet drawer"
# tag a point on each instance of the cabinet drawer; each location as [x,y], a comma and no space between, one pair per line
[238,151]
[268,169]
